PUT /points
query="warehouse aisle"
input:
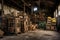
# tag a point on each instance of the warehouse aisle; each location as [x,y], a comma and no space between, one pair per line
[35,35]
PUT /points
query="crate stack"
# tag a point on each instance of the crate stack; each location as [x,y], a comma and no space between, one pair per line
[32,26]
[11,22]
[21,22]
[48,25]
[53,27]
[4,23]
[17,26]
[17,22]
[42,21]
[1,27]
[21,16]
[25,22]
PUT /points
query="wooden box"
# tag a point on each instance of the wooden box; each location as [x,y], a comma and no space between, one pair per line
[17,30]
[52,27]
[25,26]
[48,27]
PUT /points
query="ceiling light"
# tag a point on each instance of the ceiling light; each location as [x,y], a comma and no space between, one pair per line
[35,8]
[59,13]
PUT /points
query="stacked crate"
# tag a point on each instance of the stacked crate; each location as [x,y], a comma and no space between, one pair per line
[4,24]
[1,33]
[48,25]
[17,22]
[26,22]
[1,27]
[42,21]
[21,22]
[53,27]
[34,26]
[17,25]
[30,26]
[11,22]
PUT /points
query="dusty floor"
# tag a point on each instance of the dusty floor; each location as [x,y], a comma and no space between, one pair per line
[35,35]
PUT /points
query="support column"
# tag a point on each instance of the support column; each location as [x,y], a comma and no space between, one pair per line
[2,6]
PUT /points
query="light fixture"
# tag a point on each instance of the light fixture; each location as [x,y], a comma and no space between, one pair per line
[59,13]
[35,9]
[56,15]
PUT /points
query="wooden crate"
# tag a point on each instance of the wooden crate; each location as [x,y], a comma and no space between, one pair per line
[25,26]
[48,27]
[34,26]
[53,27]
[17,30]
[26,29]
[30,28]
[11,24]
[4,22]
[17,25]
[11,29]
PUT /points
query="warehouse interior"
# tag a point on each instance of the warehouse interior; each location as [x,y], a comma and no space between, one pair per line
[18,17]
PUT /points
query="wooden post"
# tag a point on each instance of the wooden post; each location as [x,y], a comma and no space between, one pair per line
[2,7]
[39,6]
[24,19]
[24,7]
[31,9]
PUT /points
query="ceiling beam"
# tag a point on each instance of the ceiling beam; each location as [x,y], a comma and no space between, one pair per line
[26,3]
[17,4]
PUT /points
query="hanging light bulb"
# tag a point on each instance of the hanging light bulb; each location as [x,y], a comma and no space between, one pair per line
[59,13]
[35,8]
[56,15]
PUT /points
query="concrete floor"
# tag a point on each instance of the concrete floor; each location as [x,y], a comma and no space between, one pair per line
[35,35]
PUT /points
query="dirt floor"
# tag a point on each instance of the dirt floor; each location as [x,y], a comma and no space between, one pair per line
[35,35]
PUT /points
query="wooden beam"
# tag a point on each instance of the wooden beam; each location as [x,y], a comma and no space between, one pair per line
[2,6]
[50,2]
[17,3]
[25,3]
